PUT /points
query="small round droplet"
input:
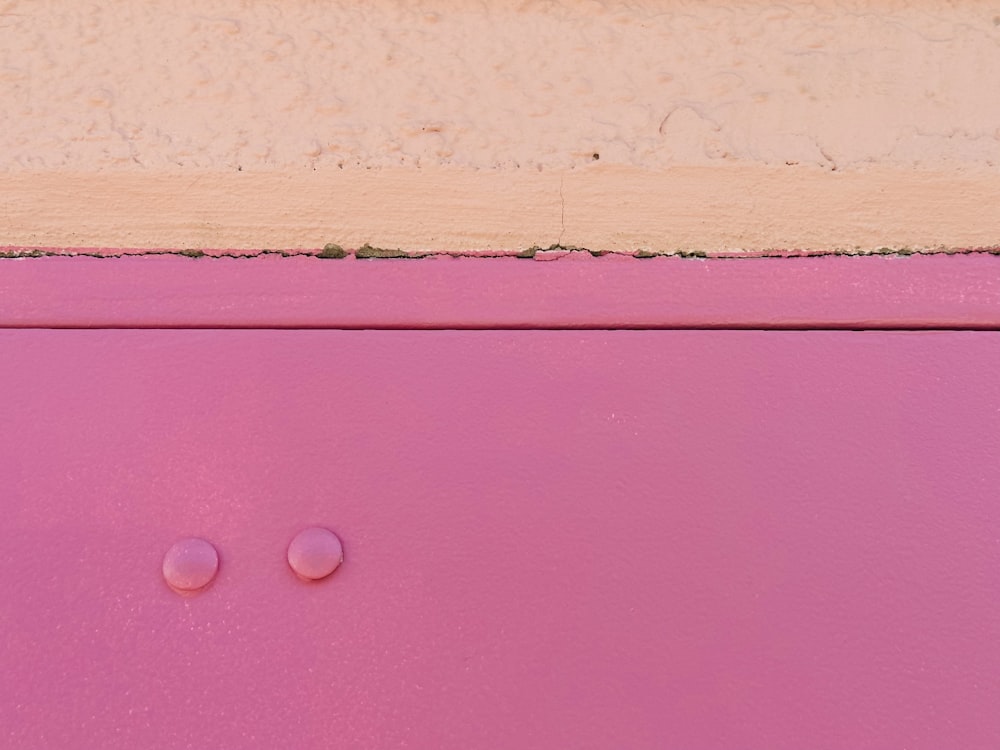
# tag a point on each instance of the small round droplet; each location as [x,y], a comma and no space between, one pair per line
[315,553]
[190,564]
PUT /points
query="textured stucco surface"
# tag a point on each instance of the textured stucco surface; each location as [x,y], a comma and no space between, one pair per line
[576,106]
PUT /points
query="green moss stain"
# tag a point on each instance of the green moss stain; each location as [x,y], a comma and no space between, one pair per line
[332,250]
[531,252]
[366,251]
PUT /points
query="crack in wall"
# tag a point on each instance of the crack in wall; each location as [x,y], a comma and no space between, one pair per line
[562,211]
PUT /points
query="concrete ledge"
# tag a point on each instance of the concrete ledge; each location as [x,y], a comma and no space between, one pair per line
[753,209]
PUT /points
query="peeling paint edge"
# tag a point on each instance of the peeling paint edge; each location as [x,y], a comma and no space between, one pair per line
[333,251]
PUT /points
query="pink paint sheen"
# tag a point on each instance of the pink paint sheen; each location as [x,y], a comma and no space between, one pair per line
[555,539]
[947,291]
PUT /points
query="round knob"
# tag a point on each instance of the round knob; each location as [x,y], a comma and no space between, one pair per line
[190,564]
[315,553]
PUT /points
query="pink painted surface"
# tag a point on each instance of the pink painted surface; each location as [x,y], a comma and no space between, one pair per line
[576,290]
[579,539]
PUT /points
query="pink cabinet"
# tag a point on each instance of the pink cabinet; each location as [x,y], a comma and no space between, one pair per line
[553,539]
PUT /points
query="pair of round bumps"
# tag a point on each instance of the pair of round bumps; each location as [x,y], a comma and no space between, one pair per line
[191,564]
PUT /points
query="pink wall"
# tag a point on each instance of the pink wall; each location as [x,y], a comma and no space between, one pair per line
[587,537]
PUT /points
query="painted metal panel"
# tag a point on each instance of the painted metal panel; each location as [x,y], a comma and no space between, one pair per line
[586,539]
[573,291]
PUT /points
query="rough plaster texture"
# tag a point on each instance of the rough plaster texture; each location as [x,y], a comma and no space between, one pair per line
[603,124]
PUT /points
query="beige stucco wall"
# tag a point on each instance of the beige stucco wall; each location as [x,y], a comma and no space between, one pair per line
[660,125]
